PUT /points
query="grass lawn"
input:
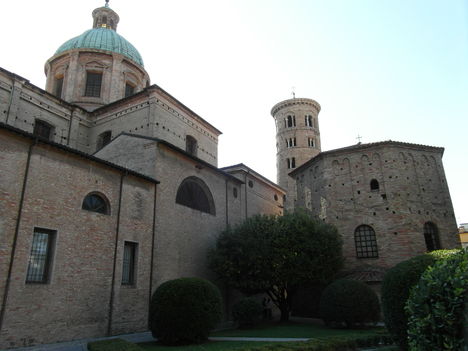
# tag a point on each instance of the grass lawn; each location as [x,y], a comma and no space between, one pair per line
[268,330]
[208,346]
[294,330]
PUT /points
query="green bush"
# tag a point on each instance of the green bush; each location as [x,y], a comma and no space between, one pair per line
[436,306]
[349,303]
[113,345]
[247,311]
[396,287]
[183,311]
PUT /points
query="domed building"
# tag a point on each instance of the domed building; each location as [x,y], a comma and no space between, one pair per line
[97,67]
[109,187]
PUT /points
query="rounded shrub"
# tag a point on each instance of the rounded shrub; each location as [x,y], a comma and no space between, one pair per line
[349,303]
[183,311]
[436,306]
[247,311]
[396,287]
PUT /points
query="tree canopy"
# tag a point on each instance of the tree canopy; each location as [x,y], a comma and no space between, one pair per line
[277,255]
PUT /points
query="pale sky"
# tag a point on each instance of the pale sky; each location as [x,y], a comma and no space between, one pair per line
[382,69]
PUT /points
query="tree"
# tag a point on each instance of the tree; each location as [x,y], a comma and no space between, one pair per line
[277,255]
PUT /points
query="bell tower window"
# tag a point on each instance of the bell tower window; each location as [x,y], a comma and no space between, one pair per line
[93,84]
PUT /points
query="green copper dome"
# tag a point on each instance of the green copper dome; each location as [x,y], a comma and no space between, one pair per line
[102,39]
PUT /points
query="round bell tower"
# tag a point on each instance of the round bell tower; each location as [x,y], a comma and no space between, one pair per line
[297,140]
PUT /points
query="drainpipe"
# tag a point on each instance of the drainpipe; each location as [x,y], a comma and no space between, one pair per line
[111,300]
[15,237]
[227,204]
[152,254]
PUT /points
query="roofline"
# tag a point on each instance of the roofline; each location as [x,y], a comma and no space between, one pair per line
[364,146]
[42,91]
[294,101]
[242,166]
[146,91]
[183,152]
[75,152]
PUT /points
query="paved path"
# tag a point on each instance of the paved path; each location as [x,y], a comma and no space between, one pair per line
[81,345]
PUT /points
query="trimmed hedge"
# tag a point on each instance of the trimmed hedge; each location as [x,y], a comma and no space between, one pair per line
[247,311]
[113,345]
[436,306]
[396,287]
[184,311]
[349,302]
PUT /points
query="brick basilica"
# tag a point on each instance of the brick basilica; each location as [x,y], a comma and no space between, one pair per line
[110,186]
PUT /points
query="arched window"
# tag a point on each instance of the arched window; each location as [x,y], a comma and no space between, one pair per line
[96,203]
[291,121]
[431,236]
[366,242]
[191,145]
[374,185]
[194,193]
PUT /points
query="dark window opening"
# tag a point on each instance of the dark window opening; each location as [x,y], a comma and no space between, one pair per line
[129,263]
[311,142]
[129,89]
[308,121]
[194,193]
[293,162]
[250,184]
[40,258]
[431,236]
[234,192]
[374,185]
[366,242]
[42,129]
[58,87]
[291,121]
[104,139]
[95,203]
[191,145]
[93,84]
[275,197]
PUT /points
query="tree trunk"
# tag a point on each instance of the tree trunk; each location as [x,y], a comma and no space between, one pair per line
[284,308]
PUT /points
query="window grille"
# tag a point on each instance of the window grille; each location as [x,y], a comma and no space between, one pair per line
[129,90]
[40,257]
[95,203]
[366,242]
[93,84]
[42,129]
[431,236]
[194,193]
[129,263]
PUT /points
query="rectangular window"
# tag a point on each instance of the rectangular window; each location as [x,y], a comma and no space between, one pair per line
[40,259]
[93,84]
[129,263]
[311,142]
[129,89]
[58,87]
[42,129]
